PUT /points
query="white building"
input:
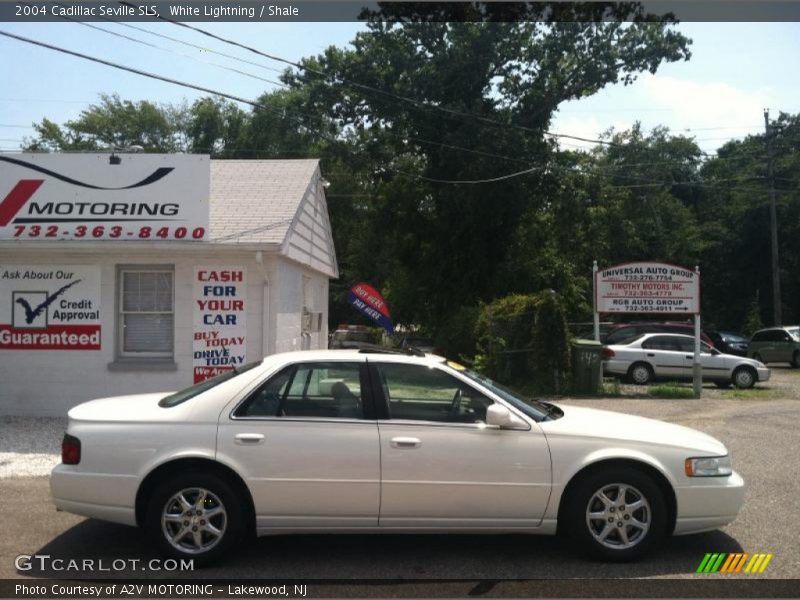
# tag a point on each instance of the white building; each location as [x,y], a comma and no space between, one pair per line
[155,272]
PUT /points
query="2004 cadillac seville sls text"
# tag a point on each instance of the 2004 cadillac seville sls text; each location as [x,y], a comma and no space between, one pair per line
[356,441]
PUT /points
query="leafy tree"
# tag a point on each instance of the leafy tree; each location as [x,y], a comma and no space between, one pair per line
[550,358]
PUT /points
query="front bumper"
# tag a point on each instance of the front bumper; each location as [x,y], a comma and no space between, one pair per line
[763,373]
[708,503]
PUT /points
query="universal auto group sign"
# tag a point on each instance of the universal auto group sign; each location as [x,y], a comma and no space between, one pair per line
[146,197]
[49,307]
[647,287]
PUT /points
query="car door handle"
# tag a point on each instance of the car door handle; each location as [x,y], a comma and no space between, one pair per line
[690,356]
[249,439]
[650,354]
[405,442]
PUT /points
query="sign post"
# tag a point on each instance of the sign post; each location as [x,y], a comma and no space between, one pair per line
[651,288]
[594,303]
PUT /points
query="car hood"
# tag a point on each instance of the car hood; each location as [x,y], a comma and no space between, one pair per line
[613,426]
[134,407]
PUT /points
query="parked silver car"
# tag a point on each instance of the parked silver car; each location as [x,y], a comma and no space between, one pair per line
[670,356]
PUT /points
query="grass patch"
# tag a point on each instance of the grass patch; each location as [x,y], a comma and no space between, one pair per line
[670,391]
[751,394]
[612,389]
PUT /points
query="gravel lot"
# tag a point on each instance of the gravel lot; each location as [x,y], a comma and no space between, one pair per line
[30,446]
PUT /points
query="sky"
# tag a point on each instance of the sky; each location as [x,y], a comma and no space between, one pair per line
[736,71]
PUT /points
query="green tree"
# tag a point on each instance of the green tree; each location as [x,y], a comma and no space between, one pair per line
[550,358]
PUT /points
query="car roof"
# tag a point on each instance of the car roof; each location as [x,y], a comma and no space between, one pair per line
[354,354]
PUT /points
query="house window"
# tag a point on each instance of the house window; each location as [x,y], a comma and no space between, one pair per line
[146,305]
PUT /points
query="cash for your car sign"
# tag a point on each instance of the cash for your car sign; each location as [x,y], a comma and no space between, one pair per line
[135,197]
[366,300]
[45,307]
[645,287]
[220,336]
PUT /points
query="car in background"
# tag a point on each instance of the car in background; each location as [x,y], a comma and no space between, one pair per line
[352,441]
[776,344]
[352,337]
[623,332]
[729,343]
[671,356]
[423,344]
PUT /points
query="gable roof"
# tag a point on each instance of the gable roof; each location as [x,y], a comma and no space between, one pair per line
[255,201]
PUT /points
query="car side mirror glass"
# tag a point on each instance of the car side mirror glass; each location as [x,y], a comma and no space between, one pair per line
[499,416]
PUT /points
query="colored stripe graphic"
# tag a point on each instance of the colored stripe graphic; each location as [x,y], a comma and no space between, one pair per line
[17,198]
[721,562]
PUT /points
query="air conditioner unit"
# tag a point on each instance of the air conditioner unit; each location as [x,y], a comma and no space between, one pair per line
[312,321]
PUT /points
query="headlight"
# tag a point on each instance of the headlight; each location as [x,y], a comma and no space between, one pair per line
[710,466]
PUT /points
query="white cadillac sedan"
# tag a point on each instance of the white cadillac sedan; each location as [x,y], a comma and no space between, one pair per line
[365,441]
[671,356]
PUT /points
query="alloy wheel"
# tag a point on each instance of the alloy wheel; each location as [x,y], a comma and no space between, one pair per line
[618,516]
[194,520]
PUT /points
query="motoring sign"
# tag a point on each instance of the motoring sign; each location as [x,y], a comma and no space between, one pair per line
[135,197]
[647,287]
[219,333]
[49,307]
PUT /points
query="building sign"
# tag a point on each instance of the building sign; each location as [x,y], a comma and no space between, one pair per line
[220,336]
[49,307]
[366,300]
[146,197]
[645,287]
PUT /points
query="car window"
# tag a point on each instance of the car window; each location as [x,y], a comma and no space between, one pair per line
[423,393]
[760,336]
[321,390]
[198,388]
[622,334]
[659,342]
[684,344]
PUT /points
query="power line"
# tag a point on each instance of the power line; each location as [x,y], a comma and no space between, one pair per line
[373,89]
[208,91]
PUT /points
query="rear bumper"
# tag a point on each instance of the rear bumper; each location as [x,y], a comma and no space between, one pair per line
[709,503]
[96,495]
[616,367]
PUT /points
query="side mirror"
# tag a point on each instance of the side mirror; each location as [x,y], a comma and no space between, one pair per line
[499,416]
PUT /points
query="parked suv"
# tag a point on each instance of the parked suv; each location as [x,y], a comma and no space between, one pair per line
[776,344]
[624,332]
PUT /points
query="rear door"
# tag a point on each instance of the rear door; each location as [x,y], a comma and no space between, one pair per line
[306,443]
[442,467]
[666,356]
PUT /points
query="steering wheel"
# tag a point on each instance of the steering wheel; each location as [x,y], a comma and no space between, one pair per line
[455,405]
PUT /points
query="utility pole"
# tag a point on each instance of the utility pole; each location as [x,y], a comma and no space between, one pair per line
[773,226]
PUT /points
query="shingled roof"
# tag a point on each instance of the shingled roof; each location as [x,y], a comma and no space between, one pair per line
[255,201]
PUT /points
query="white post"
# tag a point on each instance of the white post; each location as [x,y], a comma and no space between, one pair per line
[697,367]
[594,303]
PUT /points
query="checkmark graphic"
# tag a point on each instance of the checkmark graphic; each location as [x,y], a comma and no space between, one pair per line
[32,313]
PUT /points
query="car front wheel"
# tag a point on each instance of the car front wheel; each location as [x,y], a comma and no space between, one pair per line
[744,378]
[616,514]
[195,516]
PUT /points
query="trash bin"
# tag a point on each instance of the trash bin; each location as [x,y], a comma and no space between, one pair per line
[587,366]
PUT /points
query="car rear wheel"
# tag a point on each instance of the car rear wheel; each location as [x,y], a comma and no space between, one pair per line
[744,378]
[616,514]
[195,516]
[640,374]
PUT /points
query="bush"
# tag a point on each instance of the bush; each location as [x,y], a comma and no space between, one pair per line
[752,321]
[550,358]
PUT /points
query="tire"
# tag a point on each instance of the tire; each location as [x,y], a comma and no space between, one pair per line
[796,359]
[723,384]
[744,377]
[640,373]
[599,538]
[209,547]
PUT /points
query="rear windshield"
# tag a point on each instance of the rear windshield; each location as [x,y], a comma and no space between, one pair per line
[198,388]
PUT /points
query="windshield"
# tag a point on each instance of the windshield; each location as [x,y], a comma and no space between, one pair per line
[541,411]
[198,388]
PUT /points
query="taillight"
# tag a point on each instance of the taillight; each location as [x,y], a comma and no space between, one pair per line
[70,450]
[607,353]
